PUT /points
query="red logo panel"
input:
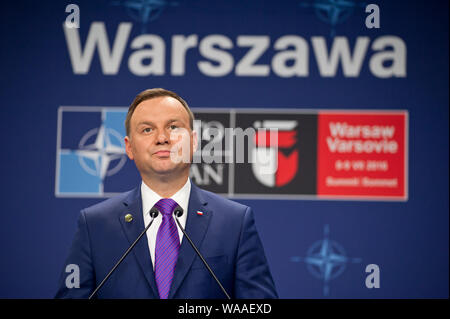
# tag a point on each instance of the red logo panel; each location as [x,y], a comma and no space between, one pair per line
[362,154]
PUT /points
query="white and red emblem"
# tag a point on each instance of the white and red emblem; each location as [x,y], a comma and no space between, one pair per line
[270,166]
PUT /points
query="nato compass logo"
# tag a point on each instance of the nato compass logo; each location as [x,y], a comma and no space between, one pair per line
[332,12]
[326,260]
[90,151]
[144,11]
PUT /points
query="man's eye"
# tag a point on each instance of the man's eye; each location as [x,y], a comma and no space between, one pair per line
[147,130]
[173,127]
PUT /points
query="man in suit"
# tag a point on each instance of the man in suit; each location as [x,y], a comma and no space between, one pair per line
[161,140]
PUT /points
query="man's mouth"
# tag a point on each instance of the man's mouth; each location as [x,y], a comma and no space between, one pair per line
[162,153]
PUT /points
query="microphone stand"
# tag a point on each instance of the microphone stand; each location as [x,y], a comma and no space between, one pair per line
[153,213]
[178,212]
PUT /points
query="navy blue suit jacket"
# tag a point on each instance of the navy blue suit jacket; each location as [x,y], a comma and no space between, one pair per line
[225,234]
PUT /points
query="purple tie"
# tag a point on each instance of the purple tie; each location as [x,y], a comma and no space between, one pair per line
[167,246]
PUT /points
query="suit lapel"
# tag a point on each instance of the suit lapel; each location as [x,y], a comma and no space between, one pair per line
[133,206]
[196,227]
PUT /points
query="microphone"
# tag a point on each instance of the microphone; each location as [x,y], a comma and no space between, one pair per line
[178,212]
[153,214]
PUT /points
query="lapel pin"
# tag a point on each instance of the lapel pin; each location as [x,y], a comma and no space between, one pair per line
[199,213]
[128,218]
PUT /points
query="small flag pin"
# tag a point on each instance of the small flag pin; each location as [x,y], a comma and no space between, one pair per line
[199,213]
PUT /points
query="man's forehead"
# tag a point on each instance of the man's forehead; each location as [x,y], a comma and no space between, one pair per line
[164,101]
[163,105]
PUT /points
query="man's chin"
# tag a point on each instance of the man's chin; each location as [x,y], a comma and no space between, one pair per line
[167,170]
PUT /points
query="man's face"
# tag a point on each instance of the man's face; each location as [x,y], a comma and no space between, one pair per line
[159,134]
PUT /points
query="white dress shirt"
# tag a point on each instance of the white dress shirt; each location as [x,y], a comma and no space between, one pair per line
[149,199]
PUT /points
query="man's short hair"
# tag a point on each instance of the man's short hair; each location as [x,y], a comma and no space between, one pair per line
[151,94]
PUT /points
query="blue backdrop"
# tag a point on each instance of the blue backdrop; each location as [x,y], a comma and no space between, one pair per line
[408,240]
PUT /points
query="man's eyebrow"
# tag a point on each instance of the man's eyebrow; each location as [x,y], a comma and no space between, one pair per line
[146,122]
[174,120]
[152,124]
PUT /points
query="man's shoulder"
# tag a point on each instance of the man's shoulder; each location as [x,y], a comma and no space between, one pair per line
[217,200]
[110,205]
[120,201]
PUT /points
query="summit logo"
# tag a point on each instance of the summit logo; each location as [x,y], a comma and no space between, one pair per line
[290,55]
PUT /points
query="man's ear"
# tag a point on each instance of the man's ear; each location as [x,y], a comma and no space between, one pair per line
[128,148]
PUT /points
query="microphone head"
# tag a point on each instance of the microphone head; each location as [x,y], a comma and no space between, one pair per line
[178,211]
[154,212]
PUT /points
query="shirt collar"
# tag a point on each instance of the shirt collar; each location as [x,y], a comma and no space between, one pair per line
[150,197]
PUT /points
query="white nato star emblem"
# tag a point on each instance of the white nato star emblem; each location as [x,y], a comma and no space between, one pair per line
[101,152]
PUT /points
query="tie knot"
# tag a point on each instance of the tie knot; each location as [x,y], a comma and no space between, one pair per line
[166,206]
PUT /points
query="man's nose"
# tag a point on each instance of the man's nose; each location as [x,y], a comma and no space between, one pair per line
[163,138]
